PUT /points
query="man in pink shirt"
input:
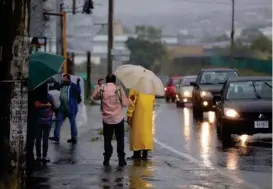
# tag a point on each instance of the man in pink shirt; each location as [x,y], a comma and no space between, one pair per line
[113,99]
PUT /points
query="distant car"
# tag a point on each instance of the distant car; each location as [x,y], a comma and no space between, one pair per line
[184,91]
[245,107]
[208,84]
[164,80]
[170,90]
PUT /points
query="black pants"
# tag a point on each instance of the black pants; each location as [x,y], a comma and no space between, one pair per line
[43,132]
[108,131]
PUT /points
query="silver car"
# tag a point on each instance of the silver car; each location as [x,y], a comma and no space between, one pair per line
[184,91]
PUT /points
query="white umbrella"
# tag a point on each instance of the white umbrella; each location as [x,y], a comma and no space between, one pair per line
[140,79]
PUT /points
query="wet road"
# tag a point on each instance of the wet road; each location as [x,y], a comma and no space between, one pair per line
[186,156]
[177,132]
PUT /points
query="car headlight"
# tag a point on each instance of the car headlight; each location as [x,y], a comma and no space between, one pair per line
[231,113]
[165,88]
[205,94]
[186,93]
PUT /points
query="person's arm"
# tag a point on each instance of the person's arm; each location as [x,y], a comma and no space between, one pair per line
[96,94]
[125,101]
[131,109]
[37,104]
[53,107]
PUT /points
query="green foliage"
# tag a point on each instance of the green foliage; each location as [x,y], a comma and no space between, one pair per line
[262,44]
[147,51]
[148,33]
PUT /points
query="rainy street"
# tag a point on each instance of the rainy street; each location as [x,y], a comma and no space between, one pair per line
[187,155]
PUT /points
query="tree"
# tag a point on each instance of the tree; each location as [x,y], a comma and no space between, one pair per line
[149,33]
[146,53]
[262,44]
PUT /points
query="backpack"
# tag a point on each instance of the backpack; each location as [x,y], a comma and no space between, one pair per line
[118,94]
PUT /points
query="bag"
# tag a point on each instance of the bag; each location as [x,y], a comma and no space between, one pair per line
[118,94]
[77,95]
[45,114]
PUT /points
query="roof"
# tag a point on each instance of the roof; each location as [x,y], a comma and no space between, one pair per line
[218,69]
[251,78]
[190,76]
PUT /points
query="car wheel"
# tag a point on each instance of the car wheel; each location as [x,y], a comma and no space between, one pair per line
[167,99]
[197,113]
[173,99]
[178,104]
[226,137]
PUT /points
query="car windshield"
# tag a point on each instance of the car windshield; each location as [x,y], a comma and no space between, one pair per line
[176,81]
[250,90]
[187,81]
[217,77]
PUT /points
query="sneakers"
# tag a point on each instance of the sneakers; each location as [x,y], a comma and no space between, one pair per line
[72,140]
[122,163]
[44,160]
[106,163]
[57,141]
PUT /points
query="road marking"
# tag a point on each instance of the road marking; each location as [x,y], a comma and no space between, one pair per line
[198,162]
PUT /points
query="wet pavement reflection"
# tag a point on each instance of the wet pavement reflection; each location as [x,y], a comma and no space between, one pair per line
[187,155]
[247,160]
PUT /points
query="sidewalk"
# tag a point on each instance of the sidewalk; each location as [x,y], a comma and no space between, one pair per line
[80,167]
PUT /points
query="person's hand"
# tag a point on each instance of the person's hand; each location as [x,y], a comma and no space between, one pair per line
[48,105]
[132,97]
[129,121]
[78,80]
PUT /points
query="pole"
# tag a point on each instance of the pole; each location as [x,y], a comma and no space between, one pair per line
[232,28]
[74,6]
[110,36]
[64,28]
[58,28]
[88,70]
[73,63]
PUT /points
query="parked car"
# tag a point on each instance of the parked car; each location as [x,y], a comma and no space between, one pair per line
[170,90]
[208,84]
[244,107]
[184,91]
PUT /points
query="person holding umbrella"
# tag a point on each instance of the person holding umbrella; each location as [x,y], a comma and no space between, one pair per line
[140,118]
[42,66]
[143,85]
[45,108]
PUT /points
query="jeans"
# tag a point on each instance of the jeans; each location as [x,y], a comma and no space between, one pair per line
[108,131]
[60,119]
[42,134]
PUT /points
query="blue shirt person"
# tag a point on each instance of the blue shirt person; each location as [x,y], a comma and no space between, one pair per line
[70,98]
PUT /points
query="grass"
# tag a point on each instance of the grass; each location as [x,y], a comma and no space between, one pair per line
[246,72]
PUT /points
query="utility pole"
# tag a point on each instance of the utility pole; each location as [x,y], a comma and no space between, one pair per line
[232,28]
[59,8]
[88,70]
[110,36]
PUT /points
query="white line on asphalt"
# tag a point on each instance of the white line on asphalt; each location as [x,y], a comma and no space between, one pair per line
[198,162]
